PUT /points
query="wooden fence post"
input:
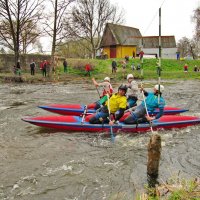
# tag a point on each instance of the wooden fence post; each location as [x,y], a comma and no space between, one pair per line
[154,151]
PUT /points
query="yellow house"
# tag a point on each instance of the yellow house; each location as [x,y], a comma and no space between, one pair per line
[119,41]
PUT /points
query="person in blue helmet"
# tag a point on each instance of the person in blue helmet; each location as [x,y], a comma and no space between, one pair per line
[153,100]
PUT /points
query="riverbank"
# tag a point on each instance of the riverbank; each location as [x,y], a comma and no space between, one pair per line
[171,69]
[74,79]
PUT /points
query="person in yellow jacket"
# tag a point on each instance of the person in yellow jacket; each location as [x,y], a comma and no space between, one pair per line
[116,106]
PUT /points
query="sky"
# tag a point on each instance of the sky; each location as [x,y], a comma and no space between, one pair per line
[144,14]
[175,16]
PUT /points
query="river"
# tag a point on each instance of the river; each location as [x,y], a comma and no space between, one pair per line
[38,163]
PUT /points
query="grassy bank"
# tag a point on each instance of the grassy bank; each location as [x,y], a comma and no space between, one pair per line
[174,189]
[171,69]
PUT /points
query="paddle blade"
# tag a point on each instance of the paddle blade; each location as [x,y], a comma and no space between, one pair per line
[112,134]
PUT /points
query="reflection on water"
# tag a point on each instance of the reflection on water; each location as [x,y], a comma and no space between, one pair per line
[39,163]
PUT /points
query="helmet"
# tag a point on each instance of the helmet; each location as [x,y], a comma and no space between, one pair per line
[156,87]
[107,79]
[122,87]
[129,76]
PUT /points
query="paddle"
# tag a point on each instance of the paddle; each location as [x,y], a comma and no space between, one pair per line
[96,85]
[98,92]
[111,128]
[84,113]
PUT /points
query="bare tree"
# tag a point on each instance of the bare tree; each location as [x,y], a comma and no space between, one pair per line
[183,46]
[187,47]
[55,29]
[29,35]
[74,49]
[18,19]
[196,19]
[88,20]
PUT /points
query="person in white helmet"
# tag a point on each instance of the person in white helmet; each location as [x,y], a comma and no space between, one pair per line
[132,92]
[107,89]
[153,100]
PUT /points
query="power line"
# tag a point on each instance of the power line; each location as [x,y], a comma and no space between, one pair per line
[155,16]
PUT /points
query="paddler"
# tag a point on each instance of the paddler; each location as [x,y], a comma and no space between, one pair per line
[116,105]
[153,100]
[107,89]
[132,92]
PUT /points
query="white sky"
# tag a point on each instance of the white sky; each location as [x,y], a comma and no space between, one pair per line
[175,16]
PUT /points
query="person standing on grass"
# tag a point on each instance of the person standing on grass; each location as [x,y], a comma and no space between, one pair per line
[141,54]
[195,68]
[65,66]
[114,67]
[44,68]
[88,69]
[18,67]
[32,67]
[185,67]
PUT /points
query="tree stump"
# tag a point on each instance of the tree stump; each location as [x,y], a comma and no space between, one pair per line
[154,151]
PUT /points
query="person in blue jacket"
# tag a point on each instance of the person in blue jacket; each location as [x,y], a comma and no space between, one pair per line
[153,100]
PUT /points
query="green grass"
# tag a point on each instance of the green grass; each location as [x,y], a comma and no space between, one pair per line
[171,69]
[173,189]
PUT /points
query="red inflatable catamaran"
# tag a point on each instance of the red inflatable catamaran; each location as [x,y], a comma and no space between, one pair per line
[77,123]
[78,109]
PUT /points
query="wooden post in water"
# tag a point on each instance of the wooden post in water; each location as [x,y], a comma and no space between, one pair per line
[154,151]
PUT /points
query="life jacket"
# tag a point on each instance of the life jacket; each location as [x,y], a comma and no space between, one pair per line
[105,91]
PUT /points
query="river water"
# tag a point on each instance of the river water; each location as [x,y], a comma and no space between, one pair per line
[38,163]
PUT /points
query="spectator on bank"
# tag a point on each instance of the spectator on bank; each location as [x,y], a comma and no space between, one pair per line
[195,68]
[141,54]
[177,55]
[133,66]
[65,66]
[133,54]
[138,66]
[126,58]
[32,67]
[88,69]
[44,68]
[18,68]
[114,66]
[185,67]
[14,69]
